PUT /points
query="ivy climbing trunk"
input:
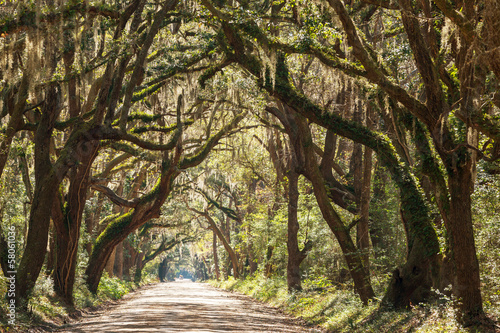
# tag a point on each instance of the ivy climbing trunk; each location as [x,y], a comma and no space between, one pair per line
[117,230]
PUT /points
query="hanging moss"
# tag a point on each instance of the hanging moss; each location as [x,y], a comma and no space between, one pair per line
[27,16]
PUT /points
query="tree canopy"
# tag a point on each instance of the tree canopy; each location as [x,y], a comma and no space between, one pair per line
[353,141]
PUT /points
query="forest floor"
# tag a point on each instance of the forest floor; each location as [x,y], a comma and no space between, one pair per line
[185,306]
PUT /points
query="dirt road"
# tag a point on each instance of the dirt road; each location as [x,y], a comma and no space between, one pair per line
[185,306]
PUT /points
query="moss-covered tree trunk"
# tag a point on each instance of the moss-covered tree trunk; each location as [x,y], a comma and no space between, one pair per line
[117,230]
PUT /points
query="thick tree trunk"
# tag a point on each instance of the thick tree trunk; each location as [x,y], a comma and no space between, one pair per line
[46,184]
[65,268]
[69,223]
[467,283]
[100,255]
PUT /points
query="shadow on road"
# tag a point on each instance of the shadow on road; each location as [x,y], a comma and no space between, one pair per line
[185,306]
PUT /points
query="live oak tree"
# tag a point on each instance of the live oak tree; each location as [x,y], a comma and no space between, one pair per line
[86,126]
[98,91]
[442,92]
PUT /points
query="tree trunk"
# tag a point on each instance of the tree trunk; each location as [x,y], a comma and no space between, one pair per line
[301,140]
[46,184]
[117,230]
[216,258]
[467,284]
[227,246]
[162,270]
[69,222]
[129,257]
[251,257]
[4,253]
[378,225]
[109,268]
[89,227]
[51,253]
[15,120]
[362,228]
[119,261]
[295,256]
[351,254]
[269,267]
[138,268]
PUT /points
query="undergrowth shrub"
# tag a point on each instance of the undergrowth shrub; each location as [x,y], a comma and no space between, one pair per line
[339,309]
[113,287]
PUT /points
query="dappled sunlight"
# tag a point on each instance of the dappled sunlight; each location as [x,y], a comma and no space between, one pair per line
[185,306]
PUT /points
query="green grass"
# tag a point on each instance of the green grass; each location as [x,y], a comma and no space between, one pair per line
[46,310]
[338,309]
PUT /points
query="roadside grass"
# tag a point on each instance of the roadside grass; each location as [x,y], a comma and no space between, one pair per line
[47,311]
[338,309]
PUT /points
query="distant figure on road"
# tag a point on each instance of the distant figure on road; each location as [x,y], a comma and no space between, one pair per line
[181,277]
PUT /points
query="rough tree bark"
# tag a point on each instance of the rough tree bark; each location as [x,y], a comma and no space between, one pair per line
[68,224]
[295,255]
[46,184]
